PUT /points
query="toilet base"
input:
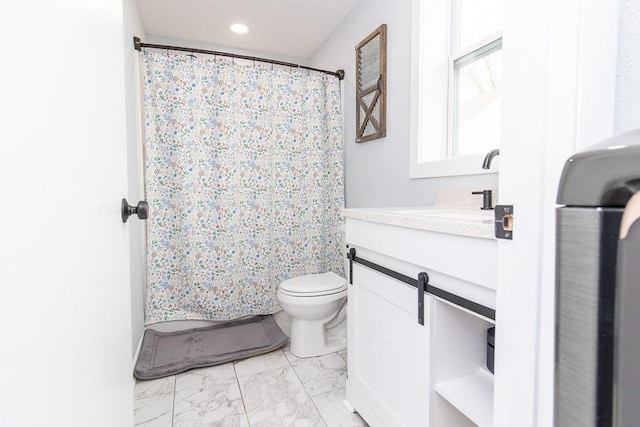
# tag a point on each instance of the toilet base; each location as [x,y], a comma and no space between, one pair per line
[309,338]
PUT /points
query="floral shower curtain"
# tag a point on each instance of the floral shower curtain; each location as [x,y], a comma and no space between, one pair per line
[244,178]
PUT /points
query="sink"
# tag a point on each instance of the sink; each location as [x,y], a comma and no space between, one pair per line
[461,215]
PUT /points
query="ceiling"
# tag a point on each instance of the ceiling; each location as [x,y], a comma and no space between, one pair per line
[294,28]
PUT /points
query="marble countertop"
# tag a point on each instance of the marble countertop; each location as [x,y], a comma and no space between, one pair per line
[462,222]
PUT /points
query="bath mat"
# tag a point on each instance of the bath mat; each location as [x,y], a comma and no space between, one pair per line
[168,353]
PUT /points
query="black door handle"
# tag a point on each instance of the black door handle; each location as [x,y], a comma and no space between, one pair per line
[141,209]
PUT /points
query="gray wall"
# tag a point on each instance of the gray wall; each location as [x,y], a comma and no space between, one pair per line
[377,172]
[133,26]
[627,113]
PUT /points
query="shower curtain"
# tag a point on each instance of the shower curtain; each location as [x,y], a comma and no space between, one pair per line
[244,178]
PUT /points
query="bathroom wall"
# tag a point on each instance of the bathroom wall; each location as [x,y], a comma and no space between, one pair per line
[627,112]
[133,27]
[377,172]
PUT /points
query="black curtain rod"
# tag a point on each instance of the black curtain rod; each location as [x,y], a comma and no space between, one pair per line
[138,45]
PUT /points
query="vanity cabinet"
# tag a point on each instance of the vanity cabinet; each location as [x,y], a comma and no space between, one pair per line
[401,372]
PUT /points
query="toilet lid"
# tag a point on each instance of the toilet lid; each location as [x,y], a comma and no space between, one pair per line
[314,284]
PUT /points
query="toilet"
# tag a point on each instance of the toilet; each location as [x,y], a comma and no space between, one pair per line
[317,304]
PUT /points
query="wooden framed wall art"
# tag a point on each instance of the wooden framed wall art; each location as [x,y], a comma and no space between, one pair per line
[371,86]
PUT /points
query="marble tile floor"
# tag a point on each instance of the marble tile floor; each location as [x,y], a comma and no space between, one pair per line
[274,389]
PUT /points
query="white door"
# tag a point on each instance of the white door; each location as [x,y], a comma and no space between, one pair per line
[558,93]
[65,340]
[389,378]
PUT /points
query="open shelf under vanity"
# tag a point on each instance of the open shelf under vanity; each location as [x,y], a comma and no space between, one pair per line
[463,385]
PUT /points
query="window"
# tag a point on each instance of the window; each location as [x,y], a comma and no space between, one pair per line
[456,69]
[474,80]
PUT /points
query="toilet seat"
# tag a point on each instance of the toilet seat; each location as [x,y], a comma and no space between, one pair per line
[314,285]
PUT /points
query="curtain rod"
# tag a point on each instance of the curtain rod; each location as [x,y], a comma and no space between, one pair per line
[138,45]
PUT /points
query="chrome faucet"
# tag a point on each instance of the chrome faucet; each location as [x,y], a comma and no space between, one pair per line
[489,157]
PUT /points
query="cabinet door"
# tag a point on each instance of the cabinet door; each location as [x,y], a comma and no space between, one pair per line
[389,373]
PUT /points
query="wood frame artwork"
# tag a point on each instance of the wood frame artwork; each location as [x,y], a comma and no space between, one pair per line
[371,86]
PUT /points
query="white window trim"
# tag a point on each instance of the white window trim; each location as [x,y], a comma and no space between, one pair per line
[430,94]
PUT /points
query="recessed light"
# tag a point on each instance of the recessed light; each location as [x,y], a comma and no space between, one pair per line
[239,28]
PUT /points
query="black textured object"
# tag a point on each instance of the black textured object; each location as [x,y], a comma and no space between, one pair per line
[491,338]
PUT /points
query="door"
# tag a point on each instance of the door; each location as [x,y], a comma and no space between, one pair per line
[389,377]
[551,107]
[64,276]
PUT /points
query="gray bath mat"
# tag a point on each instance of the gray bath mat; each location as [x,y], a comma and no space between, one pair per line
[169,353]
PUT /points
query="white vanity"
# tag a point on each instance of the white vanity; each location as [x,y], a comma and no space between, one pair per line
[402,372]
